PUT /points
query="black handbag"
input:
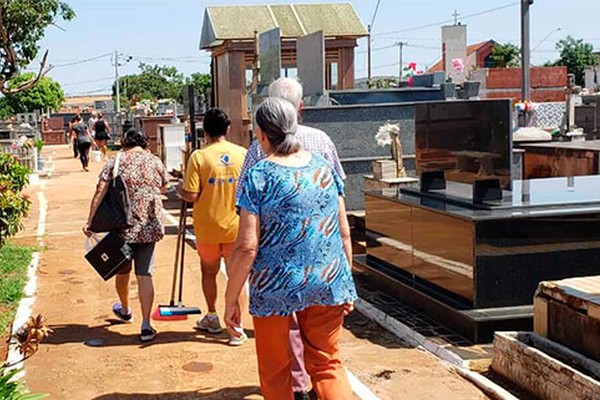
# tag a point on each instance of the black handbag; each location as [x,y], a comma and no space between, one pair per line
[113,213]
[109,255]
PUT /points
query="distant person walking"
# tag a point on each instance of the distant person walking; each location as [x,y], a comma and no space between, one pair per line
[92,123]
[145,176]
[73,136]
[102,130]
[210,183]
[84,141]
[294,241]
[317,142]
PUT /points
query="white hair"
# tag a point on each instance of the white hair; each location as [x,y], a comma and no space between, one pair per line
[288,89]
[278,120]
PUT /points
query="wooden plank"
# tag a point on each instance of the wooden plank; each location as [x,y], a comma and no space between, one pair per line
[538,373]
[540,316]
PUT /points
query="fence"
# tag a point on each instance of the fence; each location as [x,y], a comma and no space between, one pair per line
[24,155]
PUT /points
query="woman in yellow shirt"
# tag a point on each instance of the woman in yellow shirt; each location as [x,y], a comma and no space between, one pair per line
[210,183]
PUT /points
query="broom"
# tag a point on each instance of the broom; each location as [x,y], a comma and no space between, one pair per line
[177,312]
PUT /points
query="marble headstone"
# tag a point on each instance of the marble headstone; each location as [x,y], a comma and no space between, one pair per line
[311,63]
[269,56]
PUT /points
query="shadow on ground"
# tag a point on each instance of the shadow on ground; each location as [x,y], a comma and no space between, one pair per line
[102,336]
[363,328]
[241,393]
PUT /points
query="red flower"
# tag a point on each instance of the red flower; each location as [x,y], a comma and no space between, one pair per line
[412,65]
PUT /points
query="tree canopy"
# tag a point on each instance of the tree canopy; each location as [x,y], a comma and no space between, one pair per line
[576,55]
[506,55]
[155,82]
[22,26]
[47,93]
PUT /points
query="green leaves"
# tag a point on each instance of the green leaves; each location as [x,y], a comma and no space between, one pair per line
[506,55]
[156,82]
[13,205]
[46,94]
[25,22]
[576,55]
[11,389]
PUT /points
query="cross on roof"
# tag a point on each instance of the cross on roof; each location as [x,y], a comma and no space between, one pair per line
[455,15]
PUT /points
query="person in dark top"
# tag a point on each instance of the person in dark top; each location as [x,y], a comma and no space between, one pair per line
[84,141]
[102,130]
[73,136]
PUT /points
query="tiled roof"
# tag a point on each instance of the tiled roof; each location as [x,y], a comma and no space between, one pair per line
[295,20]
[439,66]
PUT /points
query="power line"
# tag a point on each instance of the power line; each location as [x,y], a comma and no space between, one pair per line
[477,14]
[109,78]
[82,61]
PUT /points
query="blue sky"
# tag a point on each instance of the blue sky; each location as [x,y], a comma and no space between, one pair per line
[168,32]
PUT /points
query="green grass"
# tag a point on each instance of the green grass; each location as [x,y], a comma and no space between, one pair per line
[14,261]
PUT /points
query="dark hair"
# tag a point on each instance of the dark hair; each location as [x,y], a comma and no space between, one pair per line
[278,120]
[216,123]
[134,138]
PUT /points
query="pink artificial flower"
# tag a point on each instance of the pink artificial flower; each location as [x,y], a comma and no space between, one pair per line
[411,81]
[458,65]
[412,65]
[419,72]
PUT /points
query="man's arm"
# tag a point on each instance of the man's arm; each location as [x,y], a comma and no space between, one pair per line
[331,156]
[191,187]
[252,157]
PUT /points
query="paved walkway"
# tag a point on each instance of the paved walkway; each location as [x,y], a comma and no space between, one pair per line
[91,356]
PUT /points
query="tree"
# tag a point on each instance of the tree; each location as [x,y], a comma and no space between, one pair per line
[22,25]
[576,55]
[46,94]
[201,82]
[506,55]
[154,82]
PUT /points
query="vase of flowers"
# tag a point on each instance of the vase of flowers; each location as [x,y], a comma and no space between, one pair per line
[389,135]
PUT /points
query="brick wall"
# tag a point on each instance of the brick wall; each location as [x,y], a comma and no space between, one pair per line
[547,83]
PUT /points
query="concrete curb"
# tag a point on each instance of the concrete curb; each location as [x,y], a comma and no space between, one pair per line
[407,334]
[451,360]
[29,292]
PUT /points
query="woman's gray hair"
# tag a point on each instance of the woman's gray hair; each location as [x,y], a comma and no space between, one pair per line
[288,89]
[278,120]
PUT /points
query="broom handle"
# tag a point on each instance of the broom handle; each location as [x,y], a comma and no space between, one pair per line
[183,226]
[174,284]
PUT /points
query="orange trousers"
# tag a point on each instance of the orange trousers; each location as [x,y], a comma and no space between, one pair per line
[320,327]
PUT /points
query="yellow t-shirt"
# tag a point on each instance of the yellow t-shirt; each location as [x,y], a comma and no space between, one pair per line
[214,172]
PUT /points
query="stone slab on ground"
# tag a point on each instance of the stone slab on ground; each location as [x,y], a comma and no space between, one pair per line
[92,356]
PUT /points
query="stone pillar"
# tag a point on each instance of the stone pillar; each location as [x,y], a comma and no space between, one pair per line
[454,45]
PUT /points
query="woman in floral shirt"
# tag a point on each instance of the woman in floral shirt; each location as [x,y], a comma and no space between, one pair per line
[145,177]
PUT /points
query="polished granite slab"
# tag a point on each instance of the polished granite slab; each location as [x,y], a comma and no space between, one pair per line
[492,254]
[535,197]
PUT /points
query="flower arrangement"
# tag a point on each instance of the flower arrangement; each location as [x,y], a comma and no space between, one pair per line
[389,134]
[524,107]
[410,71]
[22,143]
[458,65]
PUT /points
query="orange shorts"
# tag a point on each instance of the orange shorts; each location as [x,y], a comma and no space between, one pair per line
[214,251]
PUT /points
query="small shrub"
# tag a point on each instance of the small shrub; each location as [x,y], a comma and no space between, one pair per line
[11,389]
[13,204]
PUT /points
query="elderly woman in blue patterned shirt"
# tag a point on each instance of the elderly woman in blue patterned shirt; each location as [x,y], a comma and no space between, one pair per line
[294,242]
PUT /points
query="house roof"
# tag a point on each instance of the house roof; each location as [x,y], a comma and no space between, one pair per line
[439,66]
[295,20]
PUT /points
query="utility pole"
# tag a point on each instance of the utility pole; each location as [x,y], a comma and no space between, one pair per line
[117,64]
[369,28]
[525,50]
[118,89]
[400,61]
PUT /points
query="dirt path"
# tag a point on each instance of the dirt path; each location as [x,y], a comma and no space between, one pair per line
[90,356]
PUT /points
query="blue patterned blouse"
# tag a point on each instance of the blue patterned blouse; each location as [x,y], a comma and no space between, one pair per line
[301,260]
